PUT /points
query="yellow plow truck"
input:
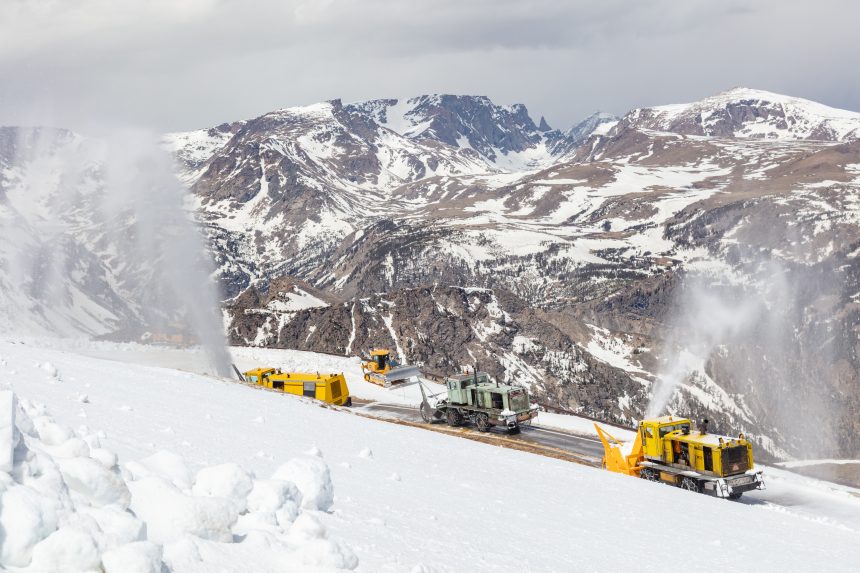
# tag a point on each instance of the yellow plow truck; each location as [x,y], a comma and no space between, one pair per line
[329,388]
[666,449]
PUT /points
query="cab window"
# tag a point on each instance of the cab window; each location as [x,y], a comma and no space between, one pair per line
[497,401]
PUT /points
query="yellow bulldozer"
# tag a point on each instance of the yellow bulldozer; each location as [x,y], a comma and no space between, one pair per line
[380,368]
[666,449]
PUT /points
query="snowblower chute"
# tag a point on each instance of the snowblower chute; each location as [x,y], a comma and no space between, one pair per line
[615,458]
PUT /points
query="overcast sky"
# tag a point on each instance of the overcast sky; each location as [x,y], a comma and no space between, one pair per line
[183,64]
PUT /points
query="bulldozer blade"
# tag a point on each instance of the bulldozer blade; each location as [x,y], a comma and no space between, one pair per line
[401,373]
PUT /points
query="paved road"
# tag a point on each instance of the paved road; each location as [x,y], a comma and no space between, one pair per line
[584,446]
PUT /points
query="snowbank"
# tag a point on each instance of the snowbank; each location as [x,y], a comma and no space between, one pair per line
[63,509]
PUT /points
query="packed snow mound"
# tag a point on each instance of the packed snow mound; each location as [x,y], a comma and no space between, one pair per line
[311,475]
[66,506]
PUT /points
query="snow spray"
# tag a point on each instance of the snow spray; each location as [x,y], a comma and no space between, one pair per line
[756,347]
[105,218]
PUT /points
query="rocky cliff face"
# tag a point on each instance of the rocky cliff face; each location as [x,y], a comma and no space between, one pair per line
[445,329]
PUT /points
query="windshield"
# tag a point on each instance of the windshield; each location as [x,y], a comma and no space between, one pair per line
[519,400]
[666,429]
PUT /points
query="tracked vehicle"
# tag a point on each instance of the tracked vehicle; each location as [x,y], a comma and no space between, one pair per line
[473,398]
[667,449]
[382,369]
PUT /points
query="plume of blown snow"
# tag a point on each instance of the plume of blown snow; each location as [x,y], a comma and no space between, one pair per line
[101,241]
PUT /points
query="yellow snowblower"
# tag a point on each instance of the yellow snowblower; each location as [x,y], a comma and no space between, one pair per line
[667,450]
[329,388]
[382,369]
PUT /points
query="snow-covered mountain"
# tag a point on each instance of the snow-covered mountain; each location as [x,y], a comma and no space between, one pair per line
[598,123]
[300,180]
[755,114]
[461,231]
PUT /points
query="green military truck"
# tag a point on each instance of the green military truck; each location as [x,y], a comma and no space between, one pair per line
[473,398]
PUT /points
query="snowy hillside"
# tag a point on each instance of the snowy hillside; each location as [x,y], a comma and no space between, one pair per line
[215,471]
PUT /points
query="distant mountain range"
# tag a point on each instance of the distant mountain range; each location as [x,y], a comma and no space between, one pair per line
[460,231]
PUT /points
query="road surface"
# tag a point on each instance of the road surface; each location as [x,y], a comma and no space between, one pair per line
[589,449]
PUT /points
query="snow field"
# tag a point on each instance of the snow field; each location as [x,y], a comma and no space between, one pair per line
[404,499]
[66,506]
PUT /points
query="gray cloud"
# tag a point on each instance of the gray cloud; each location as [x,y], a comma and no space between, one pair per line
[179,65]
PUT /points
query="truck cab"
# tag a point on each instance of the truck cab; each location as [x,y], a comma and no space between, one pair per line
[476,398]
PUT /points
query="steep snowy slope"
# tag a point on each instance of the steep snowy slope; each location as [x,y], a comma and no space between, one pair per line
[406,499]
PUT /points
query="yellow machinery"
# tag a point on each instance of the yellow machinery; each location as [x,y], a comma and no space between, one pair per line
[667,449]
[329,388]
[382,369]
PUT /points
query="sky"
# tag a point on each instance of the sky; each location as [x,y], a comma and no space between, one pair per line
[176,65]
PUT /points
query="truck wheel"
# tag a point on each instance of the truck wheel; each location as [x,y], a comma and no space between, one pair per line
[366,377]
[453,417]
[514,430]
[734,496]
[649,474]
[483,422]
[690,484]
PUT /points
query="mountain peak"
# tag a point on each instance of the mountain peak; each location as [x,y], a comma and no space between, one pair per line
[597,123]
[461,121]
[751,113]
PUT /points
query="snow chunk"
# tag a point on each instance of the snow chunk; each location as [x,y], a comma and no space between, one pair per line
[117,527]
[50,432]
[105,457]
[272,495]
[95,482]
[26,518]
[169,514]
[163,464]
[138,557]
[311,475]
[67,549]
[226,480]
[49,369]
